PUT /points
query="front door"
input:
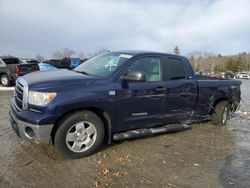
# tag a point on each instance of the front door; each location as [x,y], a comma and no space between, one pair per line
[141,104]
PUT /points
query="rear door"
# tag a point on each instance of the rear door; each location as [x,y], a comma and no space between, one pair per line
[181,90]
[141,104]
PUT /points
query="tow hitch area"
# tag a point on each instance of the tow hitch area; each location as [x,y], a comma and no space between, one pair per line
[138,133]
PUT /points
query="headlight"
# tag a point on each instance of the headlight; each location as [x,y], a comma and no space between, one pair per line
[40,98]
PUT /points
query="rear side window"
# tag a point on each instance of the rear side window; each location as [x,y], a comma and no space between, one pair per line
[9,61]
[175,69]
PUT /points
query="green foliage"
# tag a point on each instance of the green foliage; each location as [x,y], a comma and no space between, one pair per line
[235,64]
[217,63]
[217,69]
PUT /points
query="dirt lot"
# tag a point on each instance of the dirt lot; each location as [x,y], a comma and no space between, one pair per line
[205,156]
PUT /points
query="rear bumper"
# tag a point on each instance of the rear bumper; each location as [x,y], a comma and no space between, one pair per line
[29,131]
[13,77]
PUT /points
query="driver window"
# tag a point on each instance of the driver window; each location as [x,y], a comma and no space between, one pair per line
[150,66]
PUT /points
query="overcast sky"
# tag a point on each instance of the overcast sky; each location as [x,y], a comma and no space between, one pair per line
[28,27]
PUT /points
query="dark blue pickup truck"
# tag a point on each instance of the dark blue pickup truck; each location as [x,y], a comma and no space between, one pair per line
[115,96]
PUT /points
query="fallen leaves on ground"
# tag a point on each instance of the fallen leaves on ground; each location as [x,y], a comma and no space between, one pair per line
[123,160]
[97,184]
[197,165]
[105,172]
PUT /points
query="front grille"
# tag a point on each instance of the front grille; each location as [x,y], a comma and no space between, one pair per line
[19,95]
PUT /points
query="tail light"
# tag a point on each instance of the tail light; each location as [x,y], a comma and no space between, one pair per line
[17,70]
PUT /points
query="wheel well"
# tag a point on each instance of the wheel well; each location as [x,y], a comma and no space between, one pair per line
[100,113]
[4,73]
[220,100]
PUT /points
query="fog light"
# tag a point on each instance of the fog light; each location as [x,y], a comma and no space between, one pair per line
[29,132]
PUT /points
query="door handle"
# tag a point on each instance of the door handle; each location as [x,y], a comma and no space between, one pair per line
[160,89]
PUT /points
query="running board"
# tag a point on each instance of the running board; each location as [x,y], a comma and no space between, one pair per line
[151,131]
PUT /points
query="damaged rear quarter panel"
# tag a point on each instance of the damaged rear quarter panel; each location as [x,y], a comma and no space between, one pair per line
[212,91]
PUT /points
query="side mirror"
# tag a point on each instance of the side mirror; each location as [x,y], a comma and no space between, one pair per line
[134,76]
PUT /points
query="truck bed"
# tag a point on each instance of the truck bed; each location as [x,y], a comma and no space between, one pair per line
[210,89]
[202,77]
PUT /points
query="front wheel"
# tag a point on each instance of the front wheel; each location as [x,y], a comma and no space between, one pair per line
[5,81]
[80,135]
[221,113]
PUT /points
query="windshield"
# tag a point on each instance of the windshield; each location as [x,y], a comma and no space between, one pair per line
[103,65]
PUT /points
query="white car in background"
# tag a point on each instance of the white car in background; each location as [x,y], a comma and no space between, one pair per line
[242,75]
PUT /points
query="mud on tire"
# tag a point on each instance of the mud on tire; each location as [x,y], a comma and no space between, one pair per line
[220,114]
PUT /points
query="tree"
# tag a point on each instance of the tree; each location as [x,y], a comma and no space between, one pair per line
[176,50]
[192,61]
[81,55]
[39,58]
[234,64]
[244,57]
[64,53]
[57,55]
[67,52]
[97,52]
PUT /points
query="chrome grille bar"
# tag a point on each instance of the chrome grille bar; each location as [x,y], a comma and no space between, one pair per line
[21,94]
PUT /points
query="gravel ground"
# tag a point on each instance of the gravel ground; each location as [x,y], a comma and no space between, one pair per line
[204,156]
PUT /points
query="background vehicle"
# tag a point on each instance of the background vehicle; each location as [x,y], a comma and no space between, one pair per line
[242,75]
[207,73]
[229,74]
[218,75]
[46,67]
[115,96]
[11,68]
[66,63]
[30,61]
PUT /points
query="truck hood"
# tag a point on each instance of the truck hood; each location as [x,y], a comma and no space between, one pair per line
[57,78]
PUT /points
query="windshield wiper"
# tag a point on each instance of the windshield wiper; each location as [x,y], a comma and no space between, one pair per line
[83,72]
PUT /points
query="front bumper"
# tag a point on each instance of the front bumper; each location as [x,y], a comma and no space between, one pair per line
[29,131]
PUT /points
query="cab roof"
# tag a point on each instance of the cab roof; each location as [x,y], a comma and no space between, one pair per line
[144,52]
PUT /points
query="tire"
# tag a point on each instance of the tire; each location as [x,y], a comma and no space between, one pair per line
[80,135]
[5,81]
[220,114]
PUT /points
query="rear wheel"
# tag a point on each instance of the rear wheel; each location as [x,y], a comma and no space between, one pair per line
[5,81]
[221,112]
[80,135]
